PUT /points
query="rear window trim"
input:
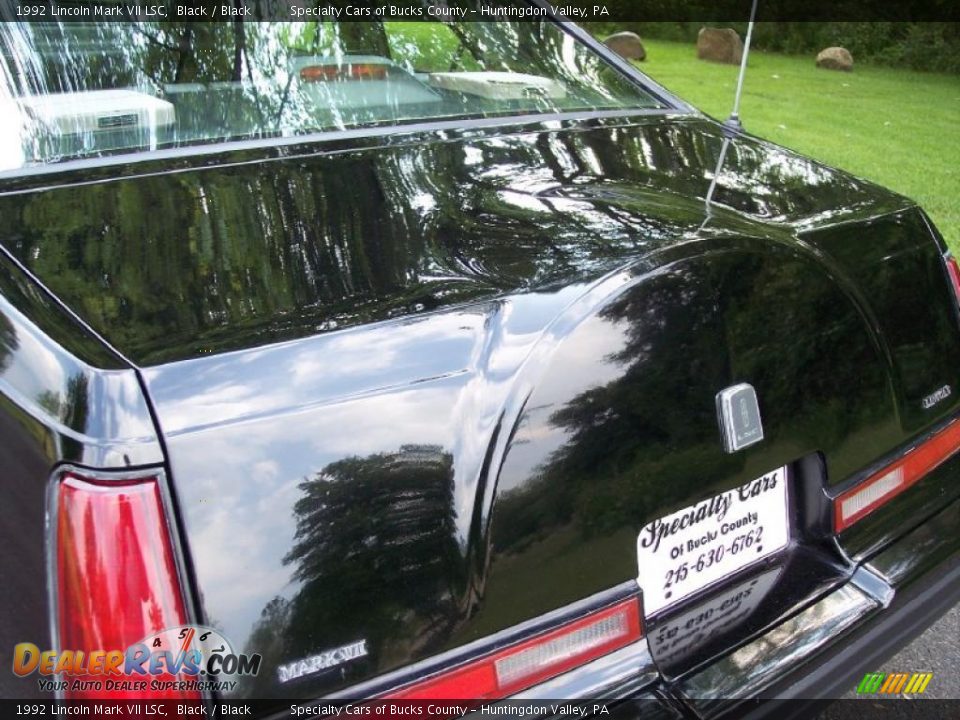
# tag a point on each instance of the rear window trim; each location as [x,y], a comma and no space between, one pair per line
[206,154]
[629,71]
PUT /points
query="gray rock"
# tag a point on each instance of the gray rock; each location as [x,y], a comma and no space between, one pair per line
[627,44]
[721,45]
[835,58]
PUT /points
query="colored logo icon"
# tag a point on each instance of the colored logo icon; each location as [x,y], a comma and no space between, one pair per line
[894,683]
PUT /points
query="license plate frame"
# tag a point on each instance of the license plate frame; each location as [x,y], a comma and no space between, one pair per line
[685,553]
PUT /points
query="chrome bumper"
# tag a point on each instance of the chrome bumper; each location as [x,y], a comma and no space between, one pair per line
[818,653]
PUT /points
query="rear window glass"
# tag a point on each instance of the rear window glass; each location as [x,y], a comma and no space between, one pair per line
[78,90]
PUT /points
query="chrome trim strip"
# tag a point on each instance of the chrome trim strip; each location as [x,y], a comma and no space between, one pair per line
[627,68]
[908,556]
[516,124]
[383,684]
[854,479]
[873,585]
[618,675]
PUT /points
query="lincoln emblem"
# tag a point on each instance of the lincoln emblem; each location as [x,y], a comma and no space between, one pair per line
[738,415]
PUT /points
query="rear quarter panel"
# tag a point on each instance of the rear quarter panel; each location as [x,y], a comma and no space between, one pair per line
[79,405]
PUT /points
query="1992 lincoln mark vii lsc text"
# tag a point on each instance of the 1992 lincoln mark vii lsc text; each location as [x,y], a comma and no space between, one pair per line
[434,360]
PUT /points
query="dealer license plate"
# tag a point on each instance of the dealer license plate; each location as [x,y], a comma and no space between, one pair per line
[689,550]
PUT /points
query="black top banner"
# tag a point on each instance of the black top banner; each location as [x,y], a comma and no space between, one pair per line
[646,707]
[706,11]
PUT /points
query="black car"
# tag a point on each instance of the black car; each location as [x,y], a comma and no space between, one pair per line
[450,360]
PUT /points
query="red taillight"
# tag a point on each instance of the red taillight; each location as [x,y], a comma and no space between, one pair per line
[882,486]
[533,661]
[116,580]
[953,270]
[329,73]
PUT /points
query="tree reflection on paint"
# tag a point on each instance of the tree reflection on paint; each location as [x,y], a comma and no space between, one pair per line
[375,546]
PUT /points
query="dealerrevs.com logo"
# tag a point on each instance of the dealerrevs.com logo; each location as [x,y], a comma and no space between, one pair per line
[894,683]
[190,658]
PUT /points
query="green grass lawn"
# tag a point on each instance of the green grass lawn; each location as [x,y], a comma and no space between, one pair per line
[899,128]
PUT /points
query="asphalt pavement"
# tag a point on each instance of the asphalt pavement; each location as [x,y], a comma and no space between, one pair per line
[938,651]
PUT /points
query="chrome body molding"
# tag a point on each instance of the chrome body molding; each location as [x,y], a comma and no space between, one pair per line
[386,684]
[933,540]
[873,585]
[618,675]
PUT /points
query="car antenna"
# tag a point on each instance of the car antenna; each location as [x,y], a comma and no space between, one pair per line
[733,122]
[732,125]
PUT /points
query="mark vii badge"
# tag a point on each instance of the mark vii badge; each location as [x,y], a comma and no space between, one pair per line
[739,417]
[322,661]
[933,398]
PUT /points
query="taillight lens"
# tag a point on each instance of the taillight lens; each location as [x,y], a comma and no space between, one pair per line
[886,484]
[533,661]
[953,270]
[116,579]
